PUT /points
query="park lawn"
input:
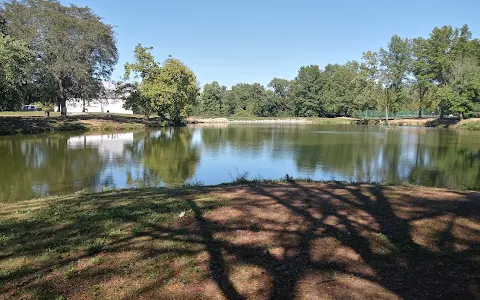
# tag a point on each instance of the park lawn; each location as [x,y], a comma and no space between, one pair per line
[258,240]
[470,124]
[26,114]
[11,125]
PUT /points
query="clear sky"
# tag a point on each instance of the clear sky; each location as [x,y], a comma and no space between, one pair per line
[256,40]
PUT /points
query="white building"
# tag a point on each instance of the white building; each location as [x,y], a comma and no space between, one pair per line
[103,105]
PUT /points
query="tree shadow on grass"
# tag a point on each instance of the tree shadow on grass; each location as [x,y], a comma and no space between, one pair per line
[276,241]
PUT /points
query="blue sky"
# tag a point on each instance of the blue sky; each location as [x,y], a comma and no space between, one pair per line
[254,41]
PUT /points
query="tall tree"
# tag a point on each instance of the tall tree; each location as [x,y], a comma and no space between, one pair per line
[464,82]
[144,68]
[14,61]
[306,91]
[444,50]
[340,88]
[213,98]
[173,90]
[394,66]
[422,76]
[282,91]
[71,43]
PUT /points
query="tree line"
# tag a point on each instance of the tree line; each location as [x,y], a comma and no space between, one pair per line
[439,73]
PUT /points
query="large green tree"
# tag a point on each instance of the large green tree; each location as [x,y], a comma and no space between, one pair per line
[442,58]
[422,77]
[133,92]
[246,99]
[391,68]
[282,91]
[173,89]
[213,98]
[15,58]
[71,43]
[306,92]
[340,89]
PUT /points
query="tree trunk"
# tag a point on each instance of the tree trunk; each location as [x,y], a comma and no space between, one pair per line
[47,114]
[462,116]
[64,109]
[420,113]
[63,100]
[442,114]
[145,117]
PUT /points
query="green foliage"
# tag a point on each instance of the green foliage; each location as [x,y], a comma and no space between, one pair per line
[448,63]
[134,93]
[342,89]
[173,90]
[47,107]
[213,99]
[14,60]
[390,69]
[248,100]
[74,49]
[170,90]
[282,91]
[407,74]
[306,90]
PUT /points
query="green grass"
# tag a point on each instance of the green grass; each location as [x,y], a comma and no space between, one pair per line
[473,125]
[28,124]
[59,235]
[26,114]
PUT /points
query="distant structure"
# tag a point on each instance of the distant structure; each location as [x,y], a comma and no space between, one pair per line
[110,103]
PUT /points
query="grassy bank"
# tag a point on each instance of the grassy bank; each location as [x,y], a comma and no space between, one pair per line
[29,122]
[12,123]
[470,124]
[290,240]
[254,120]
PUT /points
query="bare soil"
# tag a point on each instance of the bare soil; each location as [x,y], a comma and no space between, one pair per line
[255,241]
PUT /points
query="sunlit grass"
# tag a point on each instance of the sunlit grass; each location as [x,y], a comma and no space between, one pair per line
[27,114]
[471,125]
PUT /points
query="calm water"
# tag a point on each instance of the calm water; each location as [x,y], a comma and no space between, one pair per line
[32,166]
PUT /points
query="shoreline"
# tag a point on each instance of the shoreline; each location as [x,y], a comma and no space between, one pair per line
[259,236]
[20,125]
[469,124]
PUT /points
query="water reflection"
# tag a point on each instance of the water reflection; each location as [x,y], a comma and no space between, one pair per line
[168,157]
[57,164]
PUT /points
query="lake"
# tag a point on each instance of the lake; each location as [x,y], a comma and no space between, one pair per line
[54,164]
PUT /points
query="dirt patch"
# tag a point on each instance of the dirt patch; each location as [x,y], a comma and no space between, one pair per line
[260,241]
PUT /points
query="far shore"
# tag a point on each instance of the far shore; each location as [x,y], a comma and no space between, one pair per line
[473,123]
[246,240]
[33,123]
